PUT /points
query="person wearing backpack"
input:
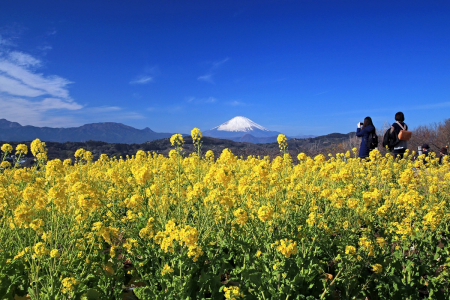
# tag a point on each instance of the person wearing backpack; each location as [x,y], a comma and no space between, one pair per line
[402,144]
[368,133]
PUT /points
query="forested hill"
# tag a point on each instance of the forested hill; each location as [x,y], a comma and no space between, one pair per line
[310,146]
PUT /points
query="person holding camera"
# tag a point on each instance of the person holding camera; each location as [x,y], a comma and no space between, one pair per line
[364,130]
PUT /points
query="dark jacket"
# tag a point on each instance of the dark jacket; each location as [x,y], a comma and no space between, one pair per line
[401,146]
[364,133]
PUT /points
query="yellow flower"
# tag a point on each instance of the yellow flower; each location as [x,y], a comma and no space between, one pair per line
[5,164]
[265,213]
[196,135]
[177,140]
[209,155]
[377,268]
[21,149]
[40,249]
[233,293]
[7,148]
[166,270]
[68,284]
[80,153]
[241,216]
[381,242]
[282,142]
[287,247]
[38,147]
[302,156]
[54,253]
[350,250]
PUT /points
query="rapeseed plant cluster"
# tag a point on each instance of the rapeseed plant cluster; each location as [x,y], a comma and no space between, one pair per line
[226,227]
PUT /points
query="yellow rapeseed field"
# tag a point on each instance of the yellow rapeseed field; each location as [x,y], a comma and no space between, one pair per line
[216,226]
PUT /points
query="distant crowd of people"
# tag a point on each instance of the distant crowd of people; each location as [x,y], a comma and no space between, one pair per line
[395,139]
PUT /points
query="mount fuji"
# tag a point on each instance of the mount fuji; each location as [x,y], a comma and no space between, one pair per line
[242,129]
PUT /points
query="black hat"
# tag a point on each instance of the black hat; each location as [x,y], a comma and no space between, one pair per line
[425,146]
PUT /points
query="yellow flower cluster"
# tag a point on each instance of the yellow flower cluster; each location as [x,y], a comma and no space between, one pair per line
[377,268]
[197,212]
[282,142]
[177,140]
[38,149]
[233,293]
[166,270]
[175,235]
[68,284]
[196,135]
[265,213]
[7,148]
[286,247]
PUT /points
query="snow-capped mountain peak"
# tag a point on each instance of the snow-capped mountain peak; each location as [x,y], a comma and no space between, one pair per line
[240,124]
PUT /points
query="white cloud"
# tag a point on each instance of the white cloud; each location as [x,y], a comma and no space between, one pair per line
[5,42]
[51,85]
[218,64]
[142,80]
[45,48]
[23,59]
[55,112]
[195,100]
[236,103]
[32,112]
[32,98]
[208,77]
[16,88]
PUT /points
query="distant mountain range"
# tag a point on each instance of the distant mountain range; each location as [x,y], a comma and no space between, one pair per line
[238,129]
[109,132]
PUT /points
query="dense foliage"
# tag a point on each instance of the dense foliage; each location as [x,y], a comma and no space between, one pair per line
[200,227]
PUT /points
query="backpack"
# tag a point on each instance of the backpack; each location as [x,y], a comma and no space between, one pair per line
[405,134]
[372,141]
[390,139]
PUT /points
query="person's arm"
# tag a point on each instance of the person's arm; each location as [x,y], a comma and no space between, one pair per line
[360,132]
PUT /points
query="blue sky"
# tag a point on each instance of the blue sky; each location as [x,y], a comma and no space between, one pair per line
[298,67]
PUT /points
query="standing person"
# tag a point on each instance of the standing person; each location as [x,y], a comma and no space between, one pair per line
[443,153]
[425,149]
[426,152]
[399,148]
[363,131]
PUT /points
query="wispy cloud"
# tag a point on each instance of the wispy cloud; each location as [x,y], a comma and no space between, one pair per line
[236,103]
[17,74]
[33,98]
[36,112]
[209,100]
[207,78]
[142,80]
[218,64]
[147,76]
[214,66]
